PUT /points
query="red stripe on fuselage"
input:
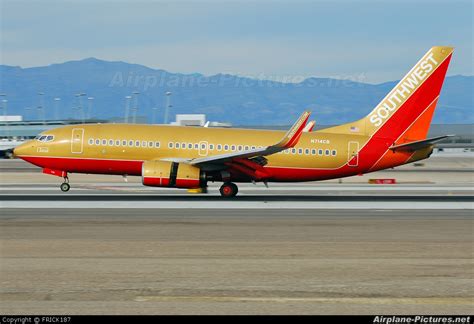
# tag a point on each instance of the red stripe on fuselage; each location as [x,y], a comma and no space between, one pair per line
[78,165]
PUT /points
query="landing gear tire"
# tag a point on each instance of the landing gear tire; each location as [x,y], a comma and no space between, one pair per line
[228,190]
[65,186]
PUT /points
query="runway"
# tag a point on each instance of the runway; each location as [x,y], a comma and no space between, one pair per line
[348,247]
[285,196]
[235,261]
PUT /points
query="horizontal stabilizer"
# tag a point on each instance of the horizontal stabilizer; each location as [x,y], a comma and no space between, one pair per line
[417,145]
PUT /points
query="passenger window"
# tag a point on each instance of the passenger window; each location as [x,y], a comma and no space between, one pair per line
[300,151]
[232,148]
[183,145]
[130,143]
[203,146]
[196,146]
[293,151]
[111,142]
[240,147]
[306,151]
[150,144]
[327,152]
[104,142]
[170,145]
[219,147]
[97,142]
[211,147]
[124,142]
[253,147]
[117,143]
[334,152]
[143,143]
[320,152]
[137,143]
[176,145]
[157,144]
[226,147]
[313,151]
[190,146]
[91,141]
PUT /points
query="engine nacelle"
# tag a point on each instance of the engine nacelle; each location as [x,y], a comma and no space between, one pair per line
[171,174]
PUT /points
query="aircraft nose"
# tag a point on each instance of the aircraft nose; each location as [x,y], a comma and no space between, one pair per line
[22,149]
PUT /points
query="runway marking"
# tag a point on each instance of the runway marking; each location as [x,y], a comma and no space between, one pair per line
[287,205]
[342,300]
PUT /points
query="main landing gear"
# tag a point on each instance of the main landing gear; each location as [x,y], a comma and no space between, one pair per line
[228,190]
[65,185]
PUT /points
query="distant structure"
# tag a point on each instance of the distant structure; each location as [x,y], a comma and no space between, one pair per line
[14,118]
[190,120]
[196,120]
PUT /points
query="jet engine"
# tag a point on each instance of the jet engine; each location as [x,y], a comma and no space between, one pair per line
[171,174]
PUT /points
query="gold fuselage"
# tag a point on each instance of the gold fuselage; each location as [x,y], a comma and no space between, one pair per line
[215,141]
[318,155]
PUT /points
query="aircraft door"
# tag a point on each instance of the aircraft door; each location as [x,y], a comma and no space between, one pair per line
[77,140]
[203,148]
[353,154]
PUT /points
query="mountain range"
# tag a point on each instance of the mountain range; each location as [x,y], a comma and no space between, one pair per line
[222,97]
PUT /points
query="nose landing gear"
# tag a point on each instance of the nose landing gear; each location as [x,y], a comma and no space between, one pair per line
[65,185]
[228,190]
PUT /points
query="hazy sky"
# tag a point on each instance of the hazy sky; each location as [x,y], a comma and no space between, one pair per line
[370,41]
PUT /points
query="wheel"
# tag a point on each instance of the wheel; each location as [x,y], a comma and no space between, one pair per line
[65,186]
[228,190]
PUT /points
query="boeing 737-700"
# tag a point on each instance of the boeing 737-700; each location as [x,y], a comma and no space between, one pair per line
[392,134]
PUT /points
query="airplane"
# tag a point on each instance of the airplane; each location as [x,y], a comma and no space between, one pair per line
[392,134]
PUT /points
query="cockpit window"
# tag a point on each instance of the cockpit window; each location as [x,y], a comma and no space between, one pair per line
[45,138]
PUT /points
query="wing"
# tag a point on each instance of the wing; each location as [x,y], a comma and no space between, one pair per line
[290,139]
[417,145]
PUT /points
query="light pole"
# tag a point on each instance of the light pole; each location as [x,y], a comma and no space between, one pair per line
[27,112]
[4,101]
[41,113]
[153,120]
[4,105]
[89,107]
[168,105]
[135,108]
[56,108]
[127,108]
[81,110]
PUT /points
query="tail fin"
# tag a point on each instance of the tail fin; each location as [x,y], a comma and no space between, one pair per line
[408,108]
